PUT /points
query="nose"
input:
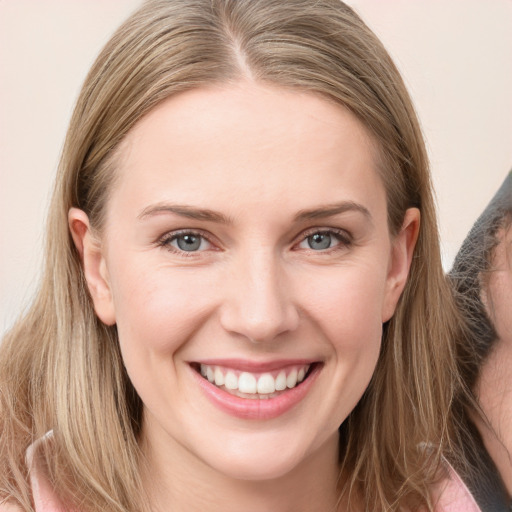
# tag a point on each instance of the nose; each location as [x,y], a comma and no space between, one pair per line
[258,301]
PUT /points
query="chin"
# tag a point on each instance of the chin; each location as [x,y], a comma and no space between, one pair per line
[258,461]
[257,471]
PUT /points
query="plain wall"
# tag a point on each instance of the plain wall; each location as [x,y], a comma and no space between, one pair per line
[455,55]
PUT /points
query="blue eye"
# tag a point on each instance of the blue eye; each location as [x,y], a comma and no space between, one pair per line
[188,242]
[185,242]
[319,241]
[324,240]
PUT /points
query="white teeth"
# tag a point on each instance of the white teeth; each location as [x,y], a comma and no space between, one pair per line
[291,380]
[247,383]
[231,381]
[219,377]
[281,381]
[266,384]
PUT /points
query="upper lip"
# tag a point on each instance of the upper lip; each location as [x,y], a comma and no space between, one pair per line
[246,365]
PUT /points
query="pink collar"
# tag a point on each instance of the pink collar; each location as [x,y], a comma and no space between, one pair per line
[452,495]
[43,494]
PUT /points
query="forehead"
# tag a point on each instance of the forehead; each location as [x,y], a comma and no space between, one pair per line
[265,142]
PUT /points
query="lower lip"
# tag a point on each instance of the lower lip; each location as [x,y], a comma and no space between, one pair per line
[257,409]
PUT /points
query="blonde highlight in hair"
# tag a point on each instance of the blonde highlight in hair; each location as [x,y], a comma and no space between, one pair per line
[61,351]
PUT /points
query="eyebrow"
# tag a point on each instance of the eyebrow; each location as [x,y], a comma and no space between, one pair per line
[184,211]
[333,209]
[204,214]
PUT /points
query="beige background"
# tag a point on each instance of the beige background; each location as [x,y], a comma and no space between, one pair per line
[456,56]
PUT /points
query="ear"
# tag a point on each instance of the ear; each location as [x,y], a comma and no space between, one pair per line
[93,264]
[402,250]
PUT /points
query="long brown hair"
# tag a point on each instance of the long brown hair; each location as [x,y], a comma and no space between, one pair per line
[61,368]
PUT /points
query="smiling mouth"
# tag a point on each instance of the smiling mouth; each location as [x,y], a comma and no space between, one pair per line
[255,385]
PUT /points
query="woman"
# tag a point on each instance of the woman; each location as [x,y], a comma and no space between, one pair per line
[242,256]
[482,277]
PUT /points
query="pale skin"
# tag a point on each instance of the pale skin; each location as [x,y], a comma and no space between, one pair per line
[278,197]
[494,387]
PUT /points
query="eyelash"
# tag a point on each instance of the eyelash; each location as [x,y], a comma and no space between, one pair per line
[343,237]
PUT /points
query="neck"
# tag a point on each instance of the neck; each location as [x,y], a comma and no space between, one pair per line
[177,480]
[494,391]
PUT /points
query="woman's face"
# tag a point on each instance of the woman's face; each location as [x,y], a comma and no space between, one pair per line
[247,263]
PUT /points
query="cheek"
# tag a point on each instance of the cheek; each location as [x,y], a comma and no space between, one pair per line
[499,304]
[157,313]
[347,314]
[347,306]
[157,310]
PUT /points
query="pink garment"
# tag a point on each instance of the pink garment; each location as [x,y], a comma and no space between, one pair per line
[450,495]
[45,499]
